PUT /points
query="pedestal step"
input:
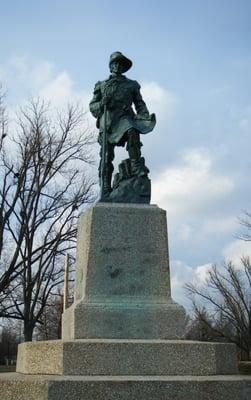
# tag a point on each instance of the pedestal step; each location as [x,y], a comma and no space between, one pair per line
[23,387]
[124,321]
[127,357]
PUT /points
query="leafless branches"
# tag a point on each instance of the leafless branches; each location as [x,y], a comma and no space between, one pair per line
[227,295]
[43,182]
[3,116]
[245,221]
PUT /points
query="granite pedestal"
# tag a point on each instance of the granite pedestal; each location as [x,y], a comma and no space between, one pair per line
[123,336]
[122,278]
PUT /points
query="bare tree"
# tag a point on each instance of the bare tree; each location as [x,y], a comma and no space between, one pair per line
[200,327]
[44,181]
[3,116]
[245,221]
[50,328]
[205,326]
[226,295]
[9,340]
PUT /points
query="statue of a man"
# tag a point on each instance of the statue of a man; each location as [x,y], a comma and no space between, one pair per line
[118,124]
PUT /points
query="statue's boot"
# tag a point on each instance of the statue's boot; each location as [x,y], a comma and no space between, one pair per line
[138,167]
[107,188]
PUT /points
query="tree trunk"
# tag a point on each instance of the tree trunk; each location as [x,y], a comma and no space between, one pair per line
[28,330]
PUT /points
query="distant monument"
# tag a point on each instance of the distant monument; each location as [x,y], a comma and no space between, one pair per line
[118,125]
[123,337]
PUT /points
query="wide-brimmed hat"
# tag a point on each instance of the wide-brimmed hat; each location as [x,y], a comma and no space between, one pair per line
[118,56]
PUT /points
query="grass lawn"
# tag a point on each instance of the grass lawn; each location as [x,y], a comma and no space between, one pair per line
[7,368]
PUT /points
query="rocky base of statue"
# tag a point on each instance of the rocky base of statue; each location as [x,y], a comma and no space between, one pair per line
[131,184]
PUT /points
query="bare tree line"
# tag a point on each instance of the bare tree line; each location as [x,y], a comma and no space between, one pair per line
[44,180]
[222,306]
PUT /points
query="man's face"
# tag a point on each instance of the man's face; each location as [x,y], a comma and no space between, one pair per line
[116,67]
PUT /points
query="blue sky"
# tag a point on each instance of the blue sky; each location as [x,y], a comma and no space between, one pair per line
[193,61]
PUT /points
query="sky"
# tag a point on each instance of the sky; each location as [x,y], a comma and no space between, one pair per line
[193,62]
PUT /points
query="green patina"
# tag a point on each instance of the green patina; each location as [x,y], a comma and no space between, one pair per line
[119,125]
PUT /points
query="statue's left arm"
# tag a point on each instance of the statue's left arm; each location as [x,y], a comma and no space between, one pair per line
[95,105]
[138,101]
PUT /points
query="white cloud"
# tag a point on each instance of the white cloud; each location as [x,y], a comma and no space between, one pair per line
[159,100]
[208,226]
[245,120]
[2,75]
[28,77]
[58,90]
[181,273]
[201,273]
[19,66]
[185,231]
[191,186]
[220,225]
[26,72]
[42,73]
[237,249]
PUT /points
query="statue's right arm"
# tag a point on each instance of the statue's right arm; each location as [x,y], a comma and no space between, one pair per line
[95,105]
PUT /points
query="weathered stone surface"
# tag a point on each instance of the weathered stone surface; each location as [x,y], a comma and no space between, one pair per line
[23,387]
[41,357]
[134,321]
[127,357]
[122,254]
[122,277]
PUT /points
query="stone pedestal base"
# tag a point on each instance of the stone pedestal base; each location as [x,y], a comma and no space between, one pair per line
[126,370]
[122,288]
[127,357]
[118,320]
[42,387]
[114,347]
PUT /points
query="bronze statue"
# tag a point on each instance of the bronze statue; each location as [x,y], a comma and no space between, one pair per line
[118,125]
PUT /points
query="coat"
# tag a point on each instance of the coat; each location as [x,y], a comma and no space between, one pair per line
[120,116]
